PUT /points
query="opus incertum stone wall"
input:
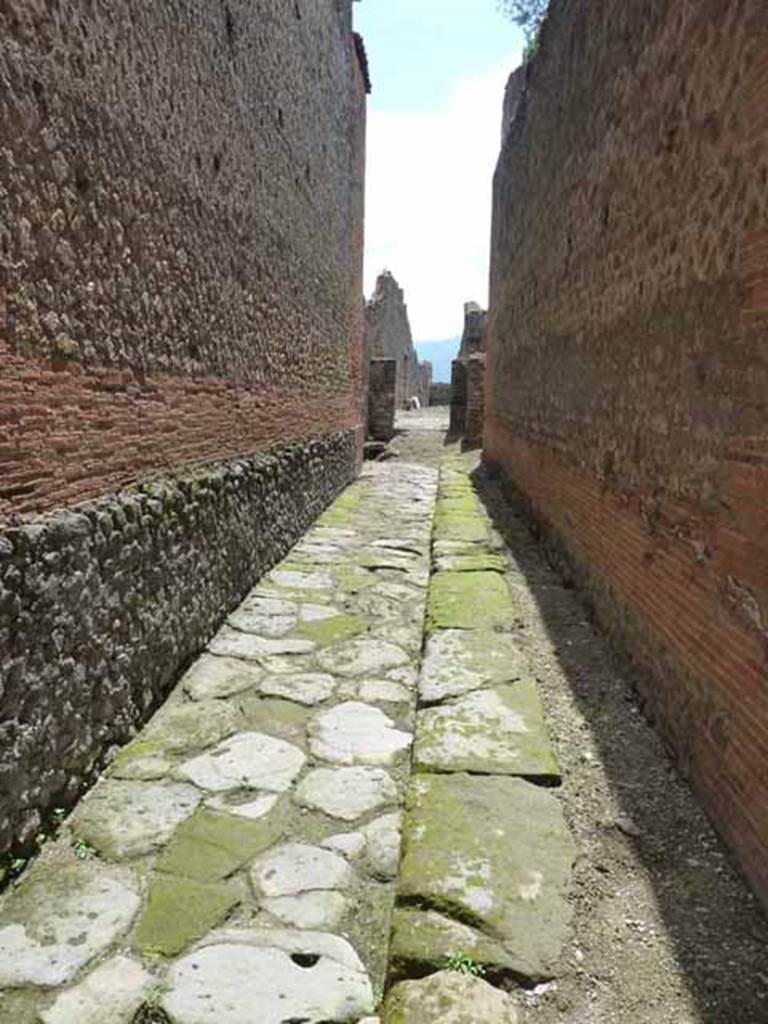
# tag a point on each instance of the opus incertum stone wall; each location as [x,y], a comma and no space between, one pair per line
[180,291]
[103,604]
[627,386]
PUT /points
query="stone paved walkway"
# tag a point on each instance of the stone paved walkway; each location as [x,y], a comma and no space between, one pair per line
[240,861]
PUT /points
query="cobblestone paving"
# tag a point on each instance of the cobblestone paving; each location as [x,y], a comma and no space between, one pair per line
[240,861]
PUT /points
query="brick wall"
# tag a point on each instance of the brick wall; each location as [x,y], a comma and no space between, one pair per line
[180,248]
[627,379]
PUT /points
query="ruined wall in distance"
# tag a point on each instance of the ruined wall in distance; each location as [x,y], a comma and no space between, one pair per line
[627,383]
[388,336]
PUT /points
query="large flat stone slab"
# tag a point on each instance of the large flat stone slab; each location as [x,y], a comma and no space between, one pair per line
[494,852]
[448,997]
[60,918]
[499,731]
[212,678]
[346,793]
[129,819]
[457,661]
[356,733]
[249,760]
[468,600]
[361,657]
[422,941]
[237,982]
[181,910]
[211,845]
[113,992]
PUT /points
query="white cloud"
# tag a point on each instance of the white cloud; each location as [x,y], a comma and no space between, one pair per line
[429,190]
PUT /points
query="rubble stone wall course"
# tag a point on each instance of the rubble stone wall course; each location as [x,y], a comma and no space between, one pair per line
[102,605]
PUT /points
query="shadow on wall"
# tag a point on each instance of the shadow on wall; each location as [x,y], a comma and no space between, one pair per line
[715,925]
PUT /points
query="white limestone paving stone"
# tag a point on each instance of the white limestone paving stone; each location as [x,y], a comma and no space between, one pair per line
[457,661]
[382,845]
[298,867]
[248,760]
[285,976]
[497,731]
[232,643]
[321,909]
[346,793]
[356,733]
[123,819]
[251,620]
[111,994]
[252,809]
[212,677]
[60,918]
[301,580]
[308,688]
[449,997]
[351,844]
[361,657]
[384,690]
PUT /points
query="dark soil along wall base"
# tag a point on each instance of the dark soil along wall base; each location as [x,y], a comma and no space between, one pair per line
[101,606]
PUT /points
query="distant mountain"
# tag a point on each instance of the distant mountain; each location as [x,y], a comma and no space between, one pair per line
[441,354]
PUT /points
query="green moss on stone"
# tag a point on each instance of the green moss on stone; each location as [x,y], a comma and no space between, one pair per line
[181,910]
[341,511]
[467,528]
[480,562]
[426,939]
[351,579]
[468,600]
[458,504]
[329,631]
[211,846]
[283,719]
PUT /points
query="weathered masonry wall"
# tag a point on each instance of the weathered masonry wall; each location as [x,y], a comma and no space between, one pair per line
[382,384]
[102,604]
[181,345]
[180,240]
[388,336]
[627,375]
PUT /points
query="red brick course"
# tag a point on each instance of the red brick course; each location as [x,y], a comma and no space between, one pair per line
[680,599]
[69,434]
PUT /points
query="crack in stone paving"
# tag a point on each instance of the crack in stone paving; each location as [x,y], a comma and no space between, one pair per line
[243,854]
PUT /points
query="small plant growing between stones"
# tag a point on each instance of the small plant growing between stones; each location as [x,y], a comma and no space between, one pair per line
[82,849]
[460,963]
[150,1011]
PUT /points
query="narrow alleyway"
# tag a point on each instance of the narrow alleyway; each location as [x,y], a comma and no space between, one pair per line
[406,755]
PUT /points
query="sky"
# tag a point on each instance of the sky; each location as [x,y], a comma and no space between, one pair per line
[438,69]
